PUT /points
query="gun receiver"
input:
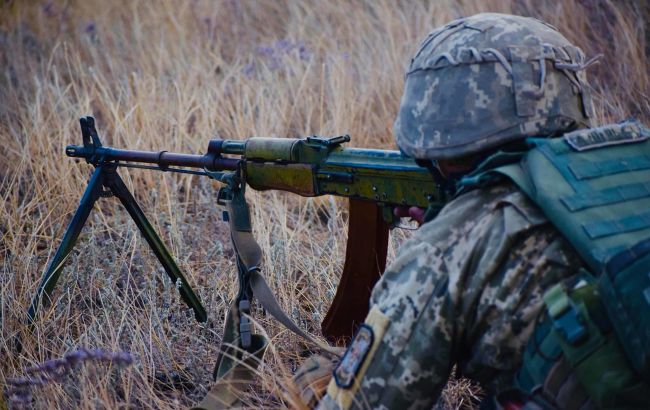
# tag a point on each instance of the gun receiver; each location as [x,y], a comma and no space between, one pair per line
[374,180]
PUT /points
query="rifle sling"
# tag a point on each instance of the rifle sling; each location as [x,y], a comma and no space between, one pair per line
[236,366]
[250,254]
[266,298]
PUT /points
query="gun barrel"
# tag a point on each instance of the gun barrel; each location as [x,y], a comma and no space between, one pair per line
[160,158]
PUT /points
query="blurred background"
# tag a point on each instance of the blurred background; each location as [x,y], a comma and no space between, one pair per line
[170,75]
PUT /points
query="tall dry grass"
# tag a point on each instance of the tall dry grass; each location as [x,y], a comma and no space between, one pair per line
[170,75]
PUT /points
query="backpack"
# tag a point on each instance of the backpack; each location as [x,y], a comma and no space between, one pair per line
[594,186]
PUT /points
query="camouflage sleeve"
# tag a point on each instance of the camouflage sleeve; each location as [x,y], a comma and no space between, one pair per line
[465,290]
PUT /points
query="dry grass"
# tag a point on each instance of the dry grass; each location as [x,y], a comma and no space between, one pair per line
[170,75]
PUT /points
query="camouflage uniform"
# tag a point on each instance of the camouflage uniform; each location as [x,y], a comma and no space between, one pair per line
[465,289]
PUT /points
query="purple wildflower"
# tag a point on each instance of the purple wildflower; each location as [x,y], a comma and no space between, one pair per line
[284,45]
[303,53]
[48,9]
[266,51]
[58,369]
[90,27]
[277,55]
[248,70]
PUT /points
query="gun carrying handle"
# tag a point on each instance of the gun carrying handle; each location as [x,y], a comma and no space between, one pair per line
[365,261]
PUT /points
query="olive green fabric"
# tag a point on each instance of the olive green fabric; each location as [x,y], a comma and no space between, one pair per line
[485,80]
[594,185]
[597,361]
[235,369]
[598,198]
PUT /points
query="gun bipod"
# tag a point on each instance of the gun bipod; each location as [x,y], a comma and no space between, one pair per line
[106,176]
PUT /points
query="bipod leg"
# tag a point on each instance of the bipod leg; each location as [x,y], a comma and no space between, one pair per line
[114,182]
[51,276]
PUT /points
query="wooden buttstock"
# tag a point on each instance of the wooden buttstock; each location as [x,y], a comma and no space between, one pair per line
[365,261]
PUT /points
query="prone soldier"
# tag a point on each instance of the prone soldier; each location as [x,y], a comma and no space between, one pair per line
[497,285]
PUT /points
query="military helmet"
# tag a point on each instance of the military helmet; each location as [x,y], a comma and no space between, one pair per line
[487,80]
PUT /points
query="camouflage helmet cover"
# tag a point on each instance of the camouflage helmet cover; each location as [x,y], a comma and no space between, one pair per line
[485,80]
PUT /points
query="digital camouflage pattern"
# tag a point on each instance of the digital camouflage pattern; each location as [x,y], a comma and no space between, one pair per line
[466,289]
[489,79]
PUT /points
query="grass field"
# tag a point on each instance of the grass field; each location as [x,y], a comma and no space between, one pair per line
[171,75]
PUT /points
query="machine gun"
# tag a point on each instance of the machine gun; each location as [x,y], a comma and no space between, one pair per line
[375,181]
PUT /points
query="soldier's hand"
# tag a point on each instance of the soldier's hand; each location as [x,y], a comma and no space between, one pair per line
[415,213]
[311,380]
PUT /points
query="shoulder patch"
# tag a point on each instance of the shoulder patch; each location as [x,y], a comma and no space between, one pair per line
[613,134]
[353,358]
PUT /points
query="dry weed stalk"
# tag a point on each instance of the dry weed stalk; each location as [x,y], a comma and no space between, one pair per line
[170,75]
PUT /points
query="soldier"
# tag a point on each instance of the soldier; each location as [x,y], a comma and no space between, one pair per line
[468,289]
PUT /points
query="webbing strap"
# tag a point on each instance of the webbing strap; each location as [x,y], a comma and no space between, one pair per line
[608,196]
[241,231]
[268,301]
[578,335]
[630,223]
[625,257]
[228,388]
[588,169]
[250,253]
[236,366]
[567,321]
